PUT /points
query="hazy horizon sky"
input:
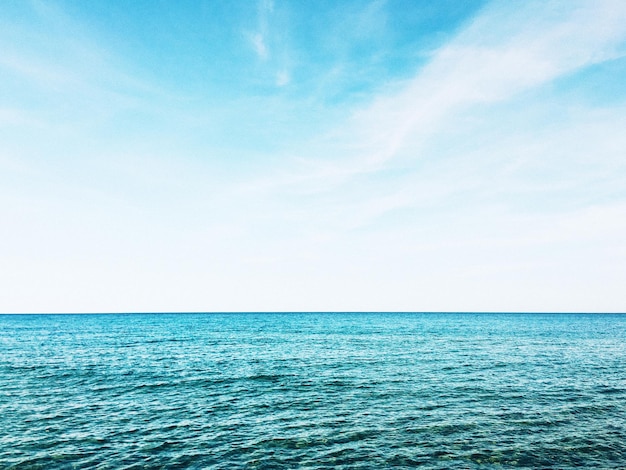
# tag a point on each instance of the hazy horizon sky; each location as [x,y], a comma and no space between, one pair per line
[400,155]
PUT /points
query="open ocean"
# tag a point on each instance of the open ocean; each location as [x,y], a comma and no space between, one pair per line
[314,390]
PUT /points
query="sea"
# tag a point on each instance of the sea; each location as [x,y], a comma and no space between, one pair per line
[313,390]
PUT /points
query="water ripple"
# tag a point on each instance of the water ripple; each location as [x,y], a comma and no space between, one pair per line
[313,390]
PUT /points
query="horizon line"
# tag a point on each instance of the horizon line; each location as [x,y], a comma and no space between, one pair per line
[221,312]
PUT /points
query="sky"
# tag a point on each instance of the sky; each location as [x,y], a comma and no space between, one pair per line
[273,155]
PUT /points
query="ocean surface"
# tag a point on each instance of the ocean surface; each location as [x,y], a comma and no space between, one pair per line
[313,390]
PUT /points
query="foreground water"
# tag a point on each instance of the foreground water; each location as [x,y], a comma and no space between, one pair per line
[313,390]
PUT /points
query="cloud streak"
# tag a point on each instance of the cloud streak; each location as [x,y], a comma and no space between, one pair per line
[258,39]
[478,179]
[537,43]
[535,46]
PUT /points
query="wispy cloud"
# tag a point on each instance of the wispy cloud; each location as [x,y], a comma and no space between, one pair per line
[433,156]
[477,172]
[258,43]
[258,38]
[283,78]
[508,49]
[270,42]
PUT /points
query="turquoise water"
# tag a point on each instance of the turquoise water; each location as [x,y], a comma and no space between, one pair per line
[313,390]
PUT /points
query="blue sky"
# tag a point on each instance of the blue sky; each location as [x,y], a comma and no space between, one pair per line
[329,155]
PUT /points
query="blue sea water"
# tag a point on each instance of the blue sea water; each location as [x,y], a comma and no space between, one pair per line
[332,390]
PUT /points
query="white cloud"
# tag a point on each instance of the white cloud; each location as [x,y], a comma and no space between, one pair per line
[258,43]
[259,38]
[283,78]
[424,200]
[488,212]
[509,49]
[537,42]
